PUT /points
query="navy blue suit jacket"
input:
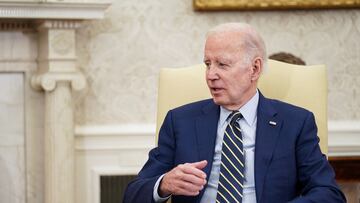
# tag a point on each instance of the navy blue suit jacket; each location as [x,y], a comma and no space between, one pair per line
[289,165]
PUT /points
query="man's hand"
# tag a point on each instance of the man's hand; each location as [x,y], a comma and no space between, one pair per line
[186,179]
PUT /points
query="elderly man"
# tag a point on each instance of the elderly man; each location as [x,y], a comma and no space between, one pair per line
[238,146]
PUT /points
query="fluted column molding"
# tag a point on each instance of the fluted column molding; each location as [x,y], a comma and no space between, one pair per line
[58,76]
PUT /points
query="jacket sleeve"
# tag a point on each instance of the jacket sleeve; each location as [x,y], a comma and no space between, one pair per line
[315,175]
[160,161]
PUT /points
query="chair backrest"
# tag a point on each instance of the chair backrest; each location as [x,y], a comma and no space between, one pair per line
[304,86]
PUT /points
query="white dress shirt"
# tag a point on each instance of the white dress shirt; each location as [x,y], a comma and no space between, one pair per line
[248,127]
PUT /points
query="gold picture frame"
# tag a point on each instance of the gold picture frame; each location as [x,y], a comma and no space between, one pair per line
[222,5]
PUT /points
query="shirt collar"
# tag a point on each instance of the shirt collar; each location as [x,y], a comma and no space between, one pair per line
[248,110]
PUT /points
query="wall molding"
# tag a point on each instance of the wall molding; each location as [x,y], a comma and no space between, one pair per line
[344,137]
[118,130]
[114,137]
[53,10]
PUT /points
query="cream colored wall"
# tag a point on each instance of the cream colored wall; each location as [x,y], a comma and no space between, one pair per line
[122,54]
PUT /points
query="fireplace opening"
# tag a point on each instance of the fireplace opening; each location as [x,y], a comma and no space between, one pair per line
[112,187]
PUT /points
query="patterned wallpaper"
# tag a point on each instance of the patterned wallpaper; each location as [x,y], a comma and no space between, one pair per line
[122,54]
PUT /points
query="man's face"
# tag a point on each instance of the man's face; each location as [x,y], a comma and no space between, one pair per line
[229,76]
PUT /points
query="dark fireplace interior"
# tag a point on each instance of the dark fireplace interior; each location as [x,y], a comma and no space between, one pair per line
[112,188]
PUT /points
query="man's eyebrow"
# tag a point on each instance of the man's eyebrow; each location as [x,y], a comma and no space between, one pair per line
[225,60]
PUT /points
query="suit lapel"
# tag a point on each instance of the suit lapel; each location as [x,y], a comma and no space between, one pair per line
[206,131]
[267,131]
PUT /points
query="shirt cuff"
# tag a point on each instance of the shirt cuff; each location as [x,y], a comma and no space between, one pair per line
[156,195]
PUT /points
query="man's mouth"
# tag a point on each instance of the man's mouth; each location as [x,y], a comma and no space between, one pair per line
[216,90]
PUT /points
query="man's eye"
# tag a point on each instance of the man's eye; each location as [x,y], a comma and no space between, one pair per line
[207,65]
[222,65]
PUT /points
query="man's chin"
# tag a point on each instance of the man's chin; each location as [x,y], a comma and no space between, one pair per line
[219,101]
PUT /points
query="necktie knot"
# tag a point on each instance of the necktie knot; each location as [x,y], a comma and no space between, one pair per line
[235,116]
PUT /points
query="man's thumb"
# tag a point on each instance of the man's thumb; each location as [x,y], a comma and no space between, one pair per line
[200,164]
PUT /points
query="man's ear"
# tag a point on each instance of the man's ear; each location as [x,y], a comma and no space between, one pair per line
[257,66]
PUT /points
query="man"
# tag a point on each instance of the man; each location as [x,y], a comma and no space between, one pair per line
[238,146]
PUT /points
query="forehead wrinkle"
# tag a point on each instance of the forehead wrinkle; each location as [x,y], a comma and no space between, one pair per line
[224,45]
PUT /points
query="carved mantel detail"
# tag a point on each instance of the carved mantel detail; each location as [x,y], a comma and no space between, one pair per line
[53,9]
[48,81]
[57,55]
[16,25]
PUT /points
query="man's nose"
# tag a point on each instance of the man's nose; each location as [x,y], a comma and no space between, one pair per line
[211,73]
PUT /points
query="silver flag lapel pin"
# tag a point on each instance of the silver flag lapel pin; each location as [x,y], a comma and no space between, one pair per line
[272,123]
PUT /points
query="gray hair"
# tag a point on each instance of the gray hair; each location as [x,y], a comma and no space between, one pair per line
[251,41]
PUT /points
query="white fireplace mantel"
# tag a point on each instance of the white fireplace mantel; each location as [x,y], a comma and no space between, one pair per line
[42,9]
[56,76]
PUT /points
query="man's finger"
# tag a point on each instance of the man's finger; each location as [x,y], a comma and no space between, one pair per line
[194,179]
[189,169]
[187,186]
[200,164]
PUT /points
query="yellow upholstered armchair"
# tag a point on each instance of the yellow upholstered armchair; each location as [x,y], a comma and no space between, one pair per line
[304,86]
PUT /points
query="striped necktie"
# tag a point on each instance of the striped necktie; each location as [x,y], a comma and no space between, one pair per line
[231,179]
